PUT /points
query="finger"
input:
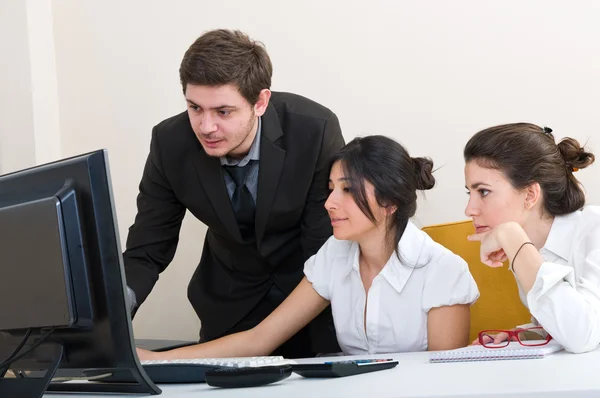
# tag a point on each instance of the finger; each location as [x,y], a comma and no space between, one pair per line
[500,337]
[486,339]
[497,259]
[493,259]
[476,237]
[498,255]
[492,263]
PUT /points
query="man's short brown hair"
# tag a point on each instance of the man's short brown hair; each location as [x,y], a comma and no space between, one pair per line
[221,57]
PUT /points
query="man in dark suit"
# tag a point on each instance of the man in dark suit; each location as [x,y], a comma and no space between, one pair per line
[252,165]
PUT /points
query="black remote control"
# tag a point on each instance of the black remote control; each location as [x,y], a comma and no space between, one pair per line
[230,377]
[343,368]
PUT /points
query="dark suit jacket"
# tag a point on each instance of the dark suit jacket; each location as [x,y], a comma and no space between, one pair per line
[297,139]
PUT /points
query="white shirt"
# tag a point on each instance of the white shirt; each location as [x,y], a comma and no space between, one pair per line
[565,297]
[399,298]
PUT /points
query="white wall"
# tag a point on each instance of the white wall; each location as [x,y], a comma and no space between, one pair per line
[17,149]
[428,73]
[29,129]
[44,95]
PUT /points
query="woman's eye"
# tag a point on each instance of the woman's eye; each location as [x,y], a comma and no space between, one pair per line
[484,192]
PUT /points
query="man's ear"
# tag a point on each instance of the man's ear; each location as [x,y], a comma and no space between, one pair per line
[263,101]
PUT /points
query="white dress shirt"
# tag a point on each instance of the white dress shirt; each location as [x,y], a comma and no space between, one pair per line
[400,297]
[565,297]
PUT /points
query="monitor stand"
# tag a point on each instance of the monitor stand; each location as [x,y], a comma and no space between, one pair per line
[31,377]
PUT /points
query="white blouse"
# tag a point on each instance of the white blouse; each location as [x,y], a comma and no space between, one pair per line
[400,297]
[565,297]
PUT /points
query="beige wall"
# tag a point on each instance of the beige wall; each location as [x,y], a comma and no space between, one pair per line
[29,119]
[429,74]
[17,149]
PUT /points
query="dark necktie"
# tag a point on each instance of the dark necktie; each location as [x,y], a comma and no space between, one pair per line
[242,200]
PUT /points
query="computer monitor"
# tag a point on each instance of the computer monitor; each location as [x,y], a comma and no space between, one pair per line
[62,284]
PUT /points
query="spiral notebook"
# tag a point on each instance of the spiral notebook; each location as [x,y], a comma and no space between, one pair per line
[479,353]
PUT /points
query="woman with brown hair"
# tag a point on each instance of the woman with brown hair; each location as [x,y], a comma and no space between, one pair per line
[528,207]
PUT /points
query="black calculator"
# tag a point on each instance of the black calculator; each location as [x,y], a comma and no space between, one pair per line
[343,368]
[246,377]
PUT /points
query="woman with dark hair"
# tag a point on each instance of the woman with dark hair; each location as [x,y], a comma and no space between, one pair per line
[391,287]
[528,207]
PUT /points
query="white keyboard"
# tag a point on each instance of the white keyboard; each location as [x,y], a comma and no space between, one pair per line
[239,362]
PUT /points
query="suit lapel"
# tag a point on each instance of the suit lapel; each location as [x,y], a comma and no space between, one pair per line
[269,171]
[209,172]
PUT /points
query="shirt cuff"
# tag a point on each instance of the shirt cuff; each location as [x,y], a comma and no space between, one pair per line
[131,300]
[548,276]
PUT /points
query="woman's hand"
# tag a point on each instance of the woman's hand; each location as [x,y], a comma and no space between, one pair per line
[499,243]
[492,252]
[145,355]
[493,339]
[505,242]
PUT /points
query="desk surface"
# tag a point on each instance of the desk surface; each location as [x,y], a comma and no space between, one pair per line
[558,375]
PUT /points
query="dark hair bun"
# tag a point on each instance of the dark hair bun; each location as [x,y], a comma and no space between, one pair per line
[424,173]
[574,154]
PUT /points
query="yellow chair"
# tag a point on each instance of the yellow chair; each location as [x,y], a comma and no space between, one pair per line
[499,305]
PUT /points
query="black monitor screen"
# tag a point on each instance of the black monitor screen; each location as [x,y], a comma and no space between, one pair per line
[63,312]
[33,286]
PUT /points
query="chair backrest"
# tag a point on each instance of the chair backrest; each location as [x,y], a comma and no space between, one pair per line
[499,305]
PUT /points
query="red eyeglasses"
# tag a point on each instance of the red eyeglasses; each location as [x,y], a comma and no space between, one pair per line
[523,336]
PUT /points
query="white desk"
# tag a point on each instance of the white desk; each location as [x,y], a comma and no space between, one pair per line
[558,375]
